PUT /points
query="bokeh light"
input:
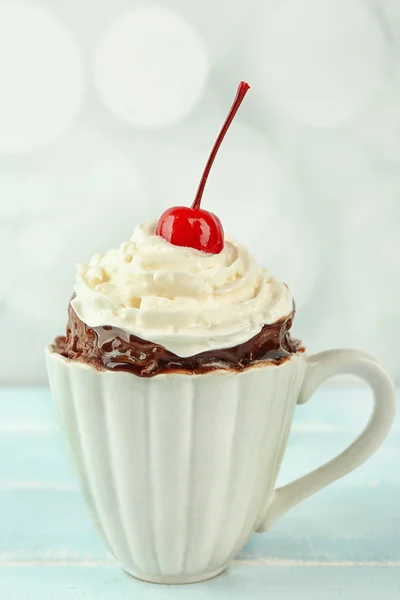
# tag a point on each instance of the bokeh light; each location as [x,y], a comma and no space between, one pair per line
[41,77]
[320,60]
[151,67]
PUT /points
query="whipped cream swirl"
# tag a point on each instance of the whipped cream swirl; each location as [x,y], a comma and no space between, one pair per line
[177,297]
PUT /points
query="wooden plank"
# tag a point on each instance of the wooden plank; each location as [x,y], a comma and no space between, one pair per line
[34,460]
[357,524]
[26,408]
[40,458]
[329,408]
[240,581]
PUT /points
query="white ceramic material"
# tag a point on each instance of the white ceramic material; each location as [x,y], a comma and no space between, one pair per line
[179,470]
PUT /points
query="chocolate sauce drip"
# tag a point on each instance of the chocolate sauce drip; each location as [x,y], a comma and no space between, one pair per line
[114,349]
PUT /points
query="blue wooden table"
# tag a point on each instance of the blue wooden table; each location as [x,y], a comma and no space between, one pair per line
[342,543]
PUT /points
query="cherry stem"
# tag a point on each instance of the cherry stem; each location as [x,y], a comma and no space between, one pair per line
[240,94]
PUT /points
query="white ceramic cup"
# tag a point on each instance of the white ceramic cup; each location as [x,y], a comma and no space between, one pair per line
[179,470]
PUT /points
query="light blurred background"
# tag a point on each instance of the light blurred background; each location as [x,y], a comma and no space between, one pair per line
[108,111]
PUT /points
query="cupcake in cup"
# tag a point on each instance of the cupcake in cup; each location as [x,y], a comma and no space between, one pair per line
[176,384]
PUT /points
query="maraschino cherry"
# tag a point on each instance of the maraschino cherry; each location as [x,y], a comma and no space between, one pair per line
[194,227]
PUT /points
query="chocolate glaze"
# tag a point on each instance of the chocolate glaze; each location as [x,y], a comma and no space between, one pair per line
[114,349]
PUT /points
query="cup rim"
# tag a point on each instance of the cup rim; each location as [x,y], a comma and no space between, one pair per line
[252,368]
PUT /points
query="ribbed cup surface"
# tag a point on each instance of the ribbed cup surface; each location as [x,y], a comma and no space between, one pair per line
[176,468]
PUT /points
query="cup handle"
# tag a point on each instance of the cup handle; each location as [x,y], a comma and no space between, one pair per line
[319,368]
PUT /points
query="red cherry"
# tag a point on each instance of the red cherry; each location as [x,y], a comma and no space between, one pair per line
[194,227]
